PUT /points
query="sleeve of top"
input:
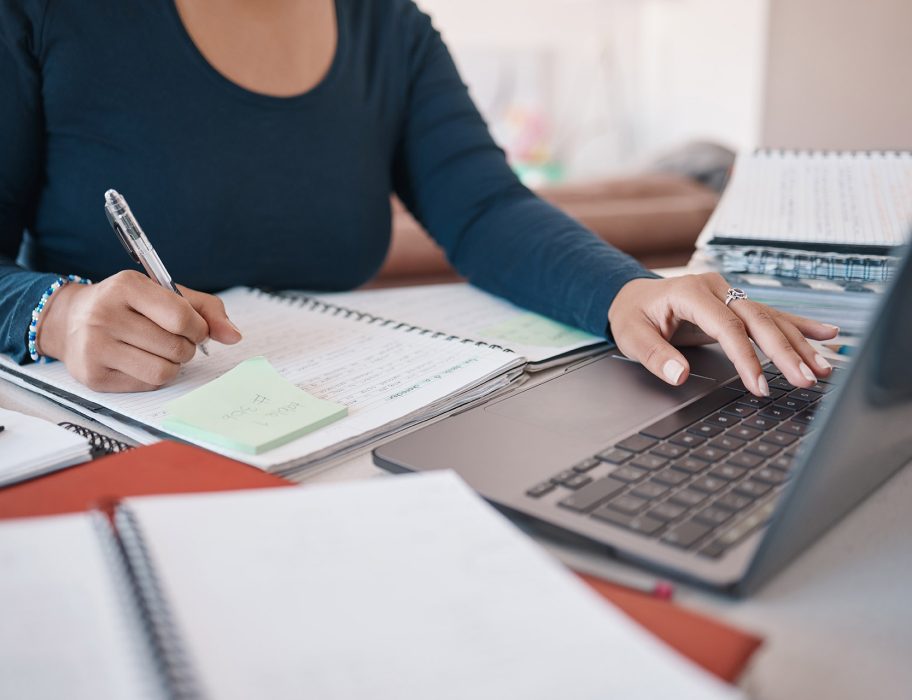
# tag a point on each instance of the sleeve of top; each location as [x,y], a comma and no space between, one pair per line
[21,146]
[455,180]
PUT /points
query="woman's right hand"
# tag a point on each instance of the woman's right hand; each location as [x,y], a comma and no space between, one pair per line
[128,333]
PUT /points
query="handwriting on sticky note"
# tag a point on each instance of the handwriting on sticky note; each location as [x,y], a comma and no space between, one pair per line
[532,329]
[250,408]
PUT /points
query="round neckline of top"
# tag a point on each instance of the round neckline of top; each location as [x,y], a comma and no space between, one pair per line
[262,98]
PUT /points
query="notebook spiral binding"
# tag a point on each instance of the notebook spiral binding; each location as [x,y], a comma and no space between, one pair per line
[891,153]
[100,444]
[806,264]
[129,595]
[336,310]
[174,666]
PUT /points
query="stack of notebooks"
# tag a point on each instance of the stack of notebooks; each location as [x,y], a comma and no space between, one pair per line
[389,362]
[406,588]
[812,233]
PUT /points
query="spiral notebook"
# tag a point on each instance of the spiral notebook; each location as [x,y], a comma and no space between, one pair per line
[813,215]
[389,374]
[421,591]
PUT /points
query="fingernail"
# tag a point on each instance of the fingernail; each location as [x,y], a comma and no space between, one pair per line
[806,371]
[236,329]
[763,385]
[672,371]
[832,327]
[821,362]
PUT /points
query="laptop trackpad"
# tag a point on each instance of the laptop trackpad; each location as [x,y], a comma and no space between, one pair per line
[598,401]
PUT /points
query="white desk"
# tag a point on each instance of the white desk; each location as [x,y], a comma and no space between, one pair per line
[837,622]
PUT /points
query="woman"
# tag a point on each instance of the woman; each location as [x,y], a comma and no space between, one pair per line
[258,142]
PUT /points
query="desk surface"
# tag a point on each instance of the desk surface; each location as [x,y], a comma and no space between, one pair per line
[838,621]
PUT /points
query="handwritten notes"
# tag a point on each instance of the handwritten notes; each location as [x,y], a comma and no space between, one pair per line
[532,329]
[250,408]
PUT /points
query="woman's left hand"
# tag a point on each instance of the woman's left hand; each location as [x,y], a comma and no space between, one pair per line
[648,315]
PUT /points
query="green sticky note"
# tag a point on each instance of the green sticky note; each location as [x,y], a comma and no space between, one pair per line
[250,408]
[532,329]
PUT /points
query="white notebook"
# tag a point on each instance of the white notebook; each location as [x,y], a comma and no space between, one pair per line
[398,588]
[468,312]
[31,446]
[390,375]
[817,201]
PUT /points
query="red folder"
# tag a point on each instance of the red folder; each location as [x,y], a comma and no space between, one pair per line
[170,467]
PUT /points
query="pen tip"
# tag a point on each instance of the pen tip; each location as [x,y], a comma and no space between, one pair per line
[111,195]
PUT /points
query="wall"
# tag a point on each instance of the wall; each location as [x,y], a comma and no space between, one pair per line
[617,80]
[838,74]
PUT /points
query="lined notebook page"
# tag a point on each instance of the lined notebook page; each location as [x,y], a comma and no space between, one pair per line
[398,588]
[847,199]
[381,374]
[467,312]
[68,630]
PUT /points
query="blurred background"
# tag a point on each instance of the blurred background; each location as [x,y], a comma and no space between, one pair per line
[581,89]
[596,101]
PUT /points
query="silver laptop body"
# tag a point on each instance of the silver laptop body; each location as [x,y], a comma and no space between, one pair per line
[861,435]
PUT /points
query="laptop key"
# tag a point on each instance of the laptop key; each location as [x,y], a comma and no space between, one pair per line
[691,465]
[586,465]
[726,420]
[671,477]
[794,428]
[691,413]
[688,497]
[779,438]
[790,403]
[713,516]
[564,475]
[777,412]
[642,524]
[739,410]
[727,443]
[751,488]
[763,449]
[733,502]
[745,459]
[667,512]
[806,416]
[541,489]
[805,395]
[577,481]
[687,440]
[728,472]
[708,484]
[628,473]
[760,422]
[780,383]
[708,454]
[705,429]
[783,462]
[686,534]
[669,451]
[742,432]
[627,504]
[637,443]
[591,495]
[650,462]
[649,490]
[714,550]
[774,477]
[755,402]
[822,387]
[614,455]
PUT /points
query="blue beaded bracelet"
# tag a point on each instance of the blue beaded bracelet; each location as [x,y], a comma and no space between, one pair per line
[36,314]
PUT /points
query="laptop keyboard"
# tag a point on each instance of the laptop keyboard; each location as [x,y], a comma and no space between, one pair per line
[703,478]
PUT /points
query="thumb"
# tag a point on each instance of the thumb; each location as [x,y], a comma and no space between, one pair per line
[212,310]
[641,341]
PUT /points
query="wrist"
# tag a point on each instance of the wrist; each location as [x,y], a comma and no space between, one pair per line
[53,323]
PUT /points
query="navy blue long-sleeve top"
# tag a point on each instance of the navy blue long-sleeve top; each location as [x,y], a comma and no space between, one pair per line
[234,187]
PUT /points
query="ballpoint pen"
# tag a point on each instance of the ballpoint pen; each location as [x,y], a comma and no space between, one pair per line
[137,245]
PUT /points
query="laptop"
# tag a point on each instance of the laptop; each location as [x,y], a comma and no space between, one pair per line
[704,482]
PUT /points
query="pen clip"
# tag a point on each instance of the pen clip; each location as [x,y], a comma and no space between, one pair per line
[125,241]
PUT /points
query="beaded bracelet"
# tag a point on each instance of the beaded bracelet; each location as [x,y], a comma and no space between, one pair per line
[36,314]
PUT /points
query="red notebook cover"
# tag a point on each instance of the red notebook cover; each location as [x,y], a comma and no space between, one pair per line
[170,467]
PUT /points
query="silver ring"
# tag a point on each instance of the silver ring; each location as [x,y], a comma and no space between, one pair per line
[733,294]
